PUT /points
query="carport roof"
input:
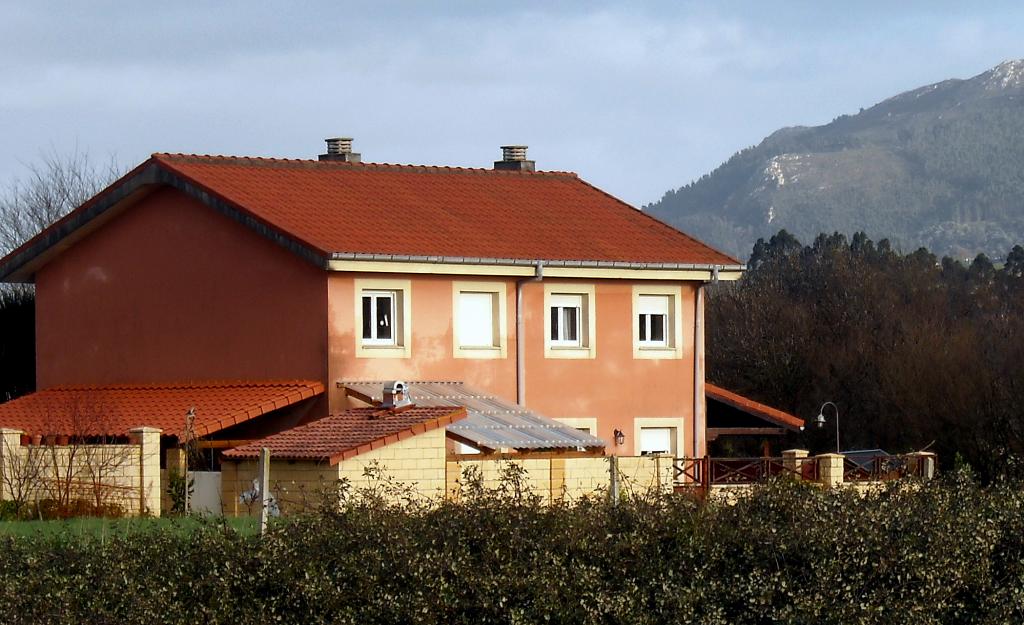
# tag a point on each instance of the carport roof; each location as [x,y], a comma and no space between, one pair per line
[491,422]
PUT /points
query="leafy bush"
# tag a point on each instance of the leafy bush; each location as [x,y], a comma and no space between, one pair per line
[176,490]
[8,510]
[947,551]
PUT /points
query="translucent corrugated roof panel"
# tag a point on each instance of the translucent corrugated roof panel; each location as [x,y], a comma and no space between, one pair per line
[491,422]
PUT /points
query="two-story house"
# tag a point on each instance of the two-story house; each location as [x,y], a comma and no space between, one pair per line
[289,280]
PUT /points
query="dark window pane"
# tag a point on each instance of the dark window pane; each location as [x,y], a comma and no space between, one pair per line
[367,318]
[383,317]
[554,323]
[658,328]
[643,327]
[571,331]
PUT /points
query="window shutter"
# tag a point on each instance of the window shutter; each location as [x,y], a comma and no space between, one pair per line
[656,440]
[653,305]
[476,319]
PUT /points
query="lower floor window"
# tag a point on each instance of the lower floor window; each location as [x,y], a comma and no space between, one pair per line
[657,441]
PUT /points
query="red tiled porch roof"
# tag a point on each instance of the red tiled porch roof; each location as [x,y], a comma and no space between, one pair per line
[115,409]
[752,407]
[352,432]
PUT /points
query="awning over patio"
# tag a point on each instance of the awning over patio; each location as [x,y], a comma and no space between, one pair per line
[731,414]
[491,422]
[113,410]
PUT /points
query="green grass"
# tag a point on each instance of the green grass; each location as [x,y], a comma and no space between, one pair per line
[93,527]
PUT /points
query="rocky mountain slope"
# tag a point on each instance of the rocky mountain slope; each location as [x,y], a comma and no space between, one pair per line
[941,166]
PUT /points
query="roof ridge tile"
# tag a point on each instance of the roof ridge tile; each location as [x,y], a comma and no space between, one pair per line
[312,163]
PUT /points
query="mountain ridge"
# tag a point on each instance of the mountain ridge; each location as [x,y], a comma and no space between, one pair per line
[940,166]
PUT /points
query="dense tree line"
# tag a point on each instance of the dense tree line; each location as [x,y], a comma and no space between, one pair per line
[914,351]
[17,344]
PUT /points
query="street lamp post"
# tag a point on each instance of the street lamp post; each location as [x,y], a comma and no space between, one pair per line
[820,420]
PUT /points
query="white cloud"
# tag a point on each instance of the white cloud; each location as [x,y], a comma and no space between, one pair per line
[638,99]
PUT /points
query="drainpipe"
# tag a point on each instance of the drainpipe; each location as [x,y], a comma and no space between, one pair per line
[699,418]
[520,330]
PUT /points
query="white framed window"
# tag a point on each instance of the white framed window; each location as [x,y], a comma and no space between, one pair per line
[658,436]
[658,321]
[380,317]
[569,320]
[657,441]
[652,320]
[479,319]
[566,311]
[383,312]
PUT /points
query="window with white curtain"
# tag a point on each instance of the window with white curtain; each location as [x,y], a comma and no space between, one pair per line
[567,316]
[653,317]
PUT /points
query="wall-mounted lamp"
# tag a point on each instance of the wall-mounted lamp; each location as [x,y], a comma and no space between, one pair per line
[620,437]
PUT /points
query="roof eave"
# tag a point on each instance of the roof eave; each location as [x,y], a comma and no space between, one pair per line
[364,262]
[20,265]
[755,408]
[531,262]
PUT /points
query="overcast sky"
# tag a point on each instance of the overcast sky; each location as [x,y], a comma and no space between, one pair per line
[637,98]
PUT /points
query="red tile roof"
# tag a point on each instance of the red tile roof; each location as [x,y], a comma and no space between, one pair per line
[326,208]
[350,433]
[443,211]
[752,407]
[113,410]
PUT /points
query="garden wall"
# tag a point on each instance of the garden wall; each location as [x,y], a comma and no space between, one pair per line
[69,477]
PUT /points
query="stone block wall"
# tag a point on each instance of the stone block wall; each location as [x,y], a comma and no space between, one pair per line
[123,475]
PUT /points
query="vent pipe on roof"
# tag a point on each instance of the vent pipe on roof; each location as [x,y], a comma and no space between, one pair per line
[513,158]
[340,149]
[396,395]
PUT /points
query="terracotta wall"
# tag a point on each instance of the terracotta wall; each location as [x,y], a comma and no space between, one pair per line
[614,387]
[432,343]
[172,291]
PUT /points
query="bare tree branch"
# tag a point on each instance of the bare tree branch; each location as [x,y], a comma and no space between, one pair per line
[53,187]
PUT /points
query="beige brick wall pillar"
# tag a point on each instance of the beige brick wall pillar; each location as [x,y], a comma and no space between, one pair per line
[175,459]
[10,449]
[830,469]
[148,440]
[793,460]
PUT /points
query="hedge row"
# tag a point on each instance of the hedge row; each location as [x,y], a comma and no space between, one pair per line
[948,551]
